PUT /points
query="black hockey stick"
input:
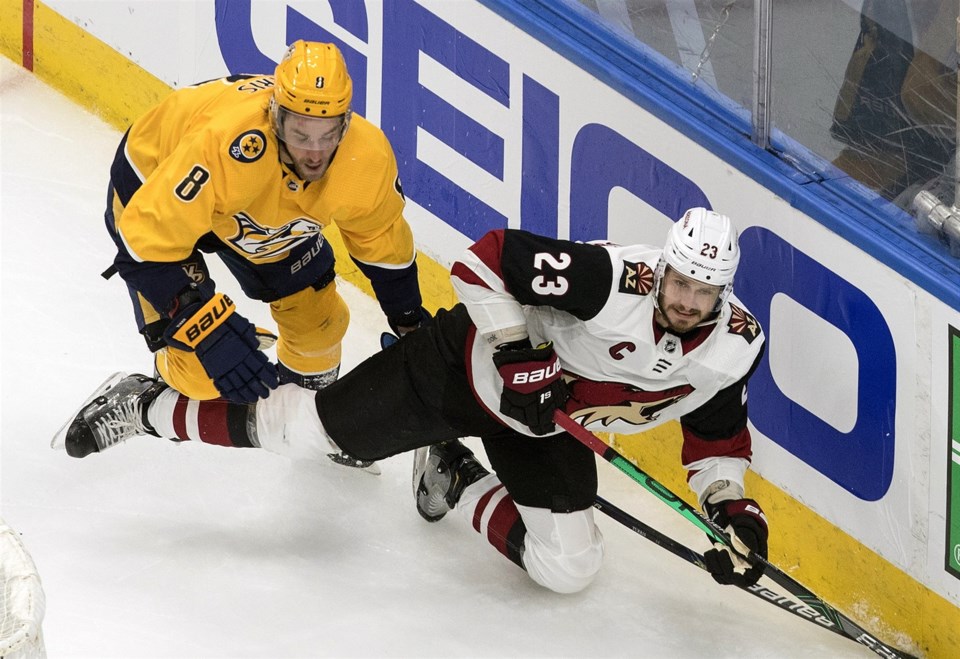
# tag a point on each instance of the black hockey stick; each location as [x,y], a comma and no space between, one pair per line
[840,623]
[645,530]
[794,606]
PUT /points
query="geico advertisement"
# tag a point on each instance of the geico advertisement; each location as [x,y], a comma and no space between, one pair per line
[492,129]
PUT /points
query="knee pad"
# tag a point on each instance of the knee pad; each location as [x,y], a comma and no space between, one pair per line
[311,325]
[183,371]
[562,551]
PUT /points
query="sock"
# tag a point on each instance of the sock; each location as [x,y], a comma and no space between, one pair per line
[217,421]
[491,511]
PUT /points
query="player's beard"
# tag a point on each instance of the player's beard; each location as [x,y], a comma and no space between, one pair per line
[669,317]
[301,167]
[311,173]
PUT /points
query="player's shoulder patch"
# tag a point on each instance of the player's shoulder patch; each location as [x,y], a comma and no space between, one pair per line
[743,324]
[636,278]
[249,146]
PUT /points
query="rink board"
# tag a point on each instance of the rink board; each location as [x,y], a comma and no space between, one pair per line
[855,409]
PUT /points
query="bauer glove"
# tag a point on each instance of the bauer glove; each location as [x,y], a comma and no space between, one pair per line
[746,524]
[226,344]
[532,384]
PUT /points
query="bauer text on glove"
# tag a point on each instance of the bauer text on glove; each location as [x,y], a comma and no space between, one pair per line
[533,386]
[225,343]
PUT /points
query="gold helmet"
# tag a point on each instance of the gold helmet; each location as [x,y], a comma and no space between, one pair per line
[312,81]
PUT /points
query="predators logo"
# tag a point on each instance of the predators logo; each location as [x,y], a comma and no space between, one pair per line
[610,402]
[262,244]
[249,147]
[743,324]
[636,278]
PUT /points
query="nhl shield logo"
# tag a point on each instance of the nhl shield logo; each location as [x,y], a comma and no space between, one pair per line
[249,147]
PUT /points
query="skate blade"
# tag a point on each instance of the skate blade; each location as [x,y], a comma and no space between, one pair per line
[352,463]
[419,465]
[59,441]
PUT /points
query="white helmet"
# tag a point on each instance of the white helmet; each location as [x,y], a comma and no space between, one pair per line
[702,245]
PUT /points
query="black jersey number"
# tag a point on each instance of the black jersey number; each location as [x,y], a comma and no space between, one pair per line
[190,186]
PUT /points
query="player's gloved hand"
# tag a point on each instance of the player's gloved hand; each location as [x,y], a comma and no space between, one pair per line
[744,521]
[225,342]
[532,384]
[406,322]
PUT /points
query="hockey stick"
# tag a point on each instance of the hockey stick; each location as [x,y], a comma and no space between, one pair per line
[645,530]
[841,624]
[796,607]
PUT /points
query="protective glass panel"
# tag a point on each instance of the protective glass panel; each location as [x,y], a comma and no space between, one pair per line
[887,72]
[710,40]
[861,90]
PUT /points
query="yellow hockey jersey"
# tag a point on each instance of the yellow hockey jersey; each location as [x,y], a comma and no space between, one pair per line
[201,170]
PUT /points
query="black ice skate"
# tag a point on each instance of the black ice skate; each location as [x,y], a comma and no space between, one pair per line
[346,460]
[440,475]
[115,412]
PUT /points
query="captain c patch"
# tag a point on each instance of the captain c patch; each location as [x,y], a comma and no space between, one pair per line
[743,324]
[249,147]
[636,278]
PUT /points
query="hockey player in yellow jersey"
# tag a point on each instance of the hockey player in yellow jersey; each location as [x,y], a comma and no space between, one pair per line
[253,168]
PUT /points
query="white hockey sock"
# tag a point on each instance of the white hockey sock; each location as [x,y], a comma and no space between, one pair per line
[563,551]
[489,508]
[160,415]
[288,424]
[175,416]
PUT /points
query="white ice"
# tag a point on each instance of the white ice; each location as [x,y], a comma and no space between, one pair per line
[155,549]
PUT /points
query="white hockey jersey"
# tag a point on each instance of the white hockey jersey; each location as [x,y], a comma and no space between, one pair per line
[624,372]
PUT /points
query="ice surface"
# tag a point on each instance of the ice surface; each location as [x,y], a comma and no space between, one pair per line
[155,549]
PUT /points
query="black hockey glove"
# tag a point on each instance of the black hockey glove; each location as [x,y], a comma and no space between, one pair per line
[746,524]
[532,384]
[225,343]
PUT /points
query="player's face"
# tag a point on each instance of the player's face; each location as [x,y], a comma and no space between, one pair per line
[310,143]
[684,302]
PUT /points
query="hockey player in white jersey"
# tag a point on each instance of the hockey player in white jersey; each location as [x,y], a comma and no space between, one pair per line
[620,338]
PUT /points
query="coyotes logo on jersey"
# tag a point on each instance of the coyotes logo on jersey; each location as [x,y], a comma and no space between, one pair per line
[609,402]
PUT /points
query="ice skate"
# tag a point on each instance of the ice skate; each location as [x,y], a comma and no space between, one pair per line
[345,460]
[114,413]
[440,475]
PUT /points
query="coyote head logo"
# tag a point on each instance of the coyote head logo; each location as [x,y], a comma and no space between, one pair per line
[609,402]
